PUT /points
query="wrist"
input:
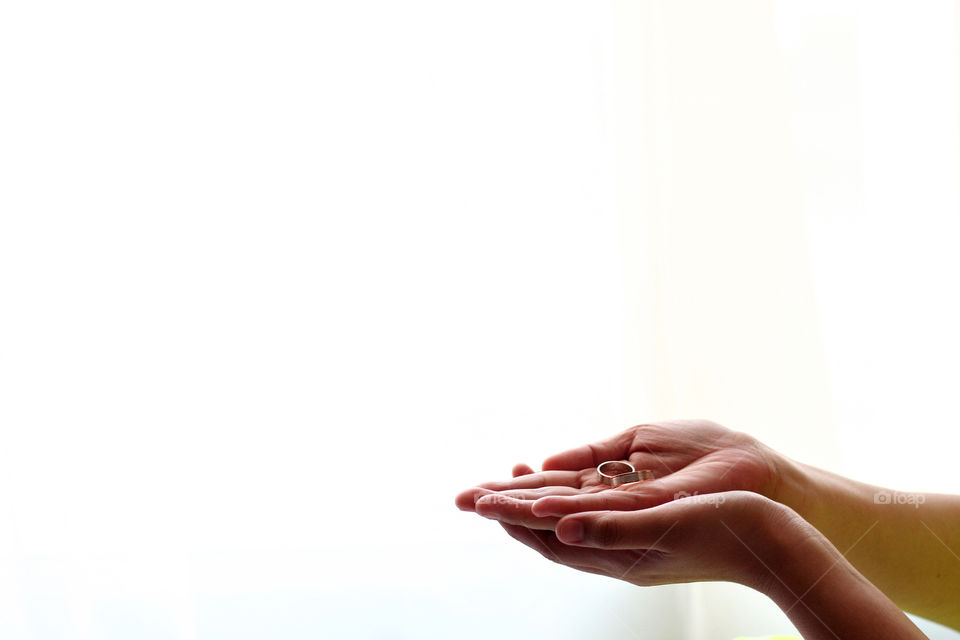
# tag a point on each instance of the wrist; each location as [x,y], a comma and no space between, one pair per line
[819,590]
[782,538]
[840,508]
[822,498]
[794,485]
[791,483]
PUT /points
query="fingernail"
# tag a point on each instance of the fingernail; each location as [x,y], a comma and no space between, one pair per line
[570,531]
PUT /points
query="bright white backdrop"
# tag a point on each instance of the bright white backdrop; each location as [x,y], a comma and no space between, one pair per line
[278,279]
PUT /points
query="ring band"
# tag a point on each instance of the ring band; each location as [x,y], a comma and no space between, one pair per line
[617,472]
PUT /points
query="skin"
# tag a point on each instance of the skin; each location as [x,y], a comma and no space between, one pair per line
[697,456]
[736,536]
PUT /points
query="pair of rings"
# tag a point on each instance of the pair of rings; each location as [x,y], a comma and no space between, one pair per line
[616,473]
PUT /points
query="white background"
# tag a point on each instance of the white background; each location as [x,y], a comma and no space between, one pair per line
[278,279]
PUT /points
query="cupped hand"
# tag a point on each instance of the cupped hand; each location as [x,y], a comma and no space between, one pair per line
[731,536]
[687,457]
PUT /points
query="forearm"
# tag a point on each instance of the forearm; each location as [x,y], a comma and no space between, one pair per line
[824,595]
[909,550]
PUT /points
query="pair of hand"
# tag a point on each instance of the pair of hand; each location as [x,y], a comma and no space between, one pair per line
[708,515]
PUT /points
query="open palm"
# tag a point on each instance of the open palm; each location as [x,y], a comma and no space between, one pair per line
[687,457]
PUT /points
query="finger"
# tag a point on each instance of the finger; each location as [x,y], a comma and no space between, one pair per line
[529,538]
[610,500]
[505,509]
[703,477]
[646,529]
[542,492]
[516,507]
[535,480]
[466,500]
[591,455]
[521,469]
[607,563]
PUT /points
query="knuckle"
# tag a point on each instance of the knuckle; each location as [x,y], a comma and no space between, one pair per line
[608,531]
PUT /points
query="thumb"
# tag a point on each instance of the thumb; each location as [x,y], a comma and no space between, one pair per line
[646,529]
[521,469]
